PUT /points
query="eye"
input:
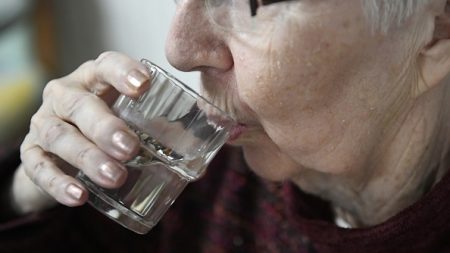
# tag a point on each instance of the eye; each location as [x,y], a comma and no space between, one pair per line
[255,4]
[267,2]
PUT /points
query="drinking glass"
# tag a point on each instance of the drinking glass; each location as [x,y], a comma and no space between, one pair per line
[180,132]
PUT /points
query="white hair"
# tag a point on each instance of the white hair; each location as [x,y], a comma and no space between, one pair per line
[385,14]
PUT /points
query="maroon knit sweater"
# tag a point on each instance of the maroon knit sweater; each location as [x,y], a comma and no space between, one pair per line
[232,210]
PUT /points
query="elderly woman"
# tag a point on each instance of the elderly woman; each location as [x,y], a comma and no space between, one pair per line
[343,145]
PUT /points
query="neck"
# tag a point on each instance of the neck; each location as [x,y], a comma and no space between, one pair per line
[400,175]
[410,160]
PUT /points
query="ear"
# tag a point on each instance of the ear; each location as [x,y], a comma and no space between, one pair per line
[434,59]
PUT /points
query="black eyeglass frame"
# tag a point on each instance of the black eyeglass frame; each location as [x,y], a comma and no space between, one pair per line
[254,5]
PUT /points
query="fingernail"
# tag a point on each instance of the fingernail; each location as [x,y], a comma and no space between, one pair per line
[74,191]
[111,171]
[124,142]
[136,78]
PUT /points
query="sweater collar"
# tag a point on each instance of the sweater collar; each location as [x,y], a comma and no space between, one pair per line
[418,228]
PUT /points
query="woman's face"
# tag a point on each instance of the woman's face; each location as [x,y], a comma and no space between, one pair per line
[314,88]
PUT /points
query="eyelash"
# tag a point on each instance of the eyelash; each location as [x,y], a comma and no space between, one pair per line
[266,2]
[254,4]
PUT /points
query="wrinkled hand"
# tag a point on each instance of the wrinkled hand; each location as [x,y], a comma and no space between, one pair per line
[75,128]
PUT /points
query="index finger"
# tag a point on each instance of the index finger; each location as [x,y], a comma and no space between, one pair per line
[126,75]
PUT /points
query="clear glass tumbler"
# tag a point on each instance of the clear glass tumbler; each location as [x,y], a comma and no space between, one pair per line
[180,133]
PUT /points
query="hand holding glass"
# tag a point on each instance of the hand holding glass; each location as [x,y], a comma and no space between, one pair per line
[180,133]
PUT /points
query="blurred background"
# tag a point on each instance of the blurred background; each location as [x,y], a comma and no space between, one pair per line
[44,39]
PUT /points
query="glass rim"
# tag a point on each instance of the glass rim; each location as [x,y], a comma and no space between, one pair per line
[149,65]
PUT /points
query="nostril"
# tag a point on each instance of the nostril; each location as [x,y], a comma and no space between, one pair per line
[199,55]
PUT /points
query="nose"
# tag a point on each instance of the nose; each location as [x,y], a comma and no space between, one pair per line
[195,43]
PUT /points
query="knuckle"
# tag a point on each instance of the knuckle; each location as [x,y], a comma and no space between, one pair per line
[91,64]
[35,121]
[83,155]
[24,147]
[71,104]
[37,173]
[88,75]
[50,182]
[53,133]
[49,89]
[109,122]
[42,176]
[27,144]
[87,64]
[104,56]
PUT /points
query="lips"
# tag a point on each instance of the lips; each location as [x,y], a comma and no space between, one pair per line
[236,128]
[226,97]
[238,124]
[236,132]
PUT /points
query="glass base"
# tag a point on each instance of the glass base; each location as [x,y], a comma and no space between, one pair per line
[117,212]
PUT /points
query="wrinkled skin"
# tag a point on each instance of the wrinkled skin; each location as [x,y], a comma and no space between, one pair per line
[328,104]
[345,113]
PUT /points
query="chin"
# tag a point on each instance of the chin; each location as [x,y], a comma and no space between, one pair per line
[270,164]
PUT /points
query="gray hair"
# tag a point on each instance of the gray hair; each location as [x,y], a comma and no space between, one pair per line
[385,14]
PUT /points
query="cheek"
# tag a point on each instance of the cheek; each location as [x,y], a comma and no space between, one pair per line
[297,88]
[283,82]
[295,113]
[286,73]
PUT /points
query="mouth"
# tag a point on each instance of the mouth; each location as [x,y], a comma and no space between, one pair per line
[236,129]
[227,98]
[236,132]
[239,128]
